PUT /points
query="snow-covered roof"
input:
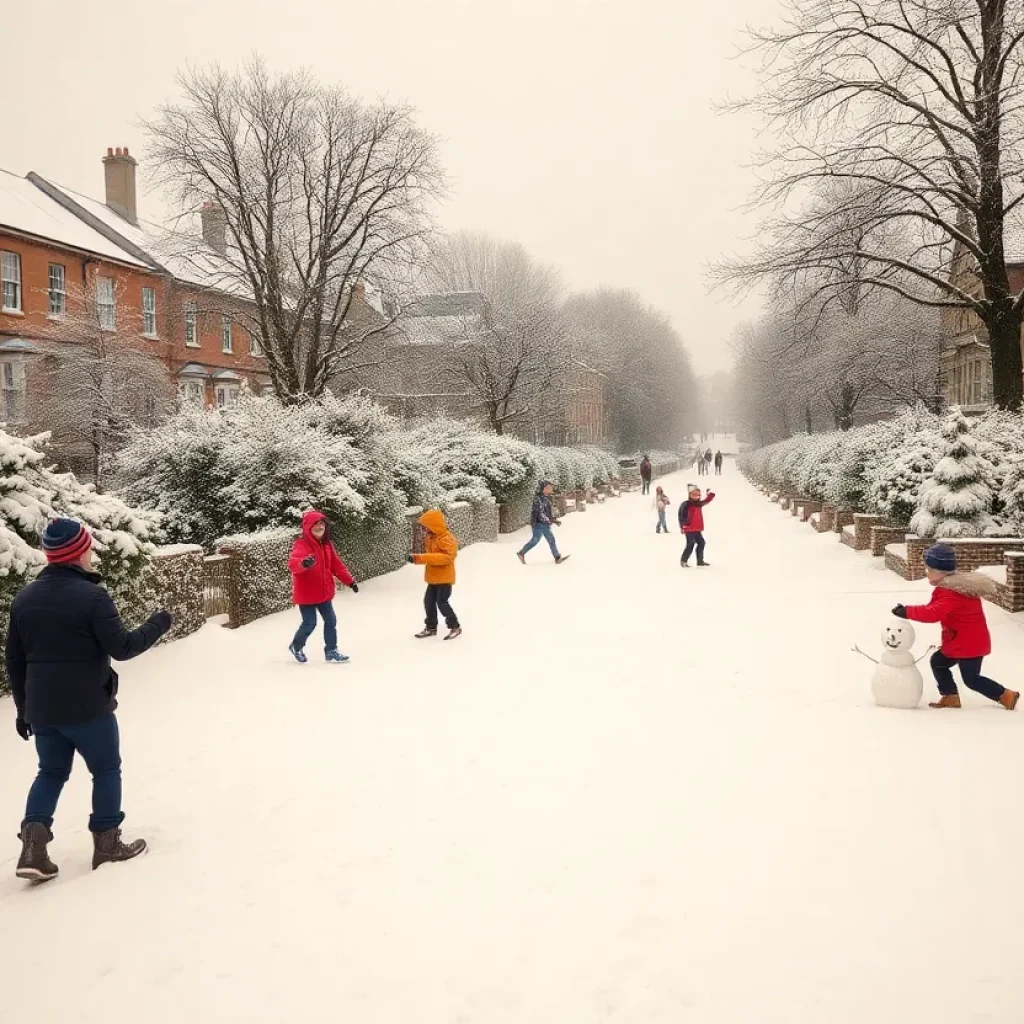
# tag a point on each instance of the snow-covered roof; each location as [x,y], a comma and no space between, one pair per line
[186,257]
[451,304]
[193,370]
[28,210]
[442,319]
[226,375]
[18,345]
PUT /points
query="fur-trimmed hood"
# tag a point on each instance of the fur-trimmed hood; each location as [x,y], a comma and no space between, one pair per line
[969,584]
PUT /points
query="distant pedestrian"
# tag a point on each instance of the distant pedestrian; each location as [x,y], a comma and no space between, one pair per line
[661,502]
[718,463]
[691,522]
[542,518]
[315,565]
[646,470]
[64,630]
[439,558]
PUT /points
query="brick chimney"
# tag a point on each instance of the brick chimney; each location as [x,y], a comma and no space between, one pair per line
[215,226]
[119,172]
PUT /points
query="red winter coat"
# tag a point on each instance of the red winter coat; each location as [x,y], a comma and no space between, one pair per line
[315,585]
[691,514]
[956,603]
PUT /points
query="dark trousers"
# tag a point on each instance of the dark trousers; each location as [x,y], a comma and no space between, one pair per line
[436,600]
[99,743]
[718,469]
[305,630]
[970,670]
[694,540]
[646,481]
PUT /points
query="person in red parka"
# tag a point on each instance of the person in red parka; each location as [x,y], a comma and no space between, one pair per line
[956,604]
[691,522]
[314,565]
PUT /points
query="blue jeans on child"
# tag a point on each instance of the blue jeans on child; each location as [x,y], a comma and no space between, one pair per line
[99,743]
[541,530]
[305,631]
[662,524]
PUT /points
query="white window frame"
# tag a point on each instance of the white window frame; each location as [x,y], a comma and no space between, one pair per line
[57,277]
[225,395]
[10,282]
[255,348]
[192,391]
[106,306]
[191,319]
[227,336]
[12,391]
[149,315]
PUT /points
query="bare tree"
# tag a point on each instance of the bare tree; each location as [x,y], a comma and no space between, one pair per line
[511,359]
[318,191]
[102,382]
[900,127]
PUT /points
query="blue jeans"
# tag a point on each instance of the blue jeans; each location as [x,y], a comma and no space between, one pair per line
[305,630]
[99,743]
[541,530]
[662,524]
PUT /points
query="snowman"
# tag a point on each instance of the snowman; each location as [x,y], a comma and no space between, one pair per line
[896,682]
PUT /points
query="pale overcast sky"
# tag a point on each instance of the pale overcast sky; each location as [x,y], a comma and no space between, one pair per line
[582,128]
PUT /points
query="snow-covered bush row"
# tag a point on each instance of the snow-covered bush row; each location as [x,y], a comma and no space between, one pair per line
[938,476]
[259,465]
[32,492]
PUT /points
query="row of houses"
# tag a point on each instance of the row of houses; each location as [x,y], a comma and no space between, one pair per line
[85,281]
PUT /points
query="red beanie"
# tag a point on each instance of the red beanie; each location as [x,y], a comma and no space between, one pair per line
[65,540]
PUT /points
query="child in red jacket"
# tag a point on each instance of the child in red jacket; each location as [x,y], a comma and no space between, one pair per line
[956,604]
[691,522]
[314,565]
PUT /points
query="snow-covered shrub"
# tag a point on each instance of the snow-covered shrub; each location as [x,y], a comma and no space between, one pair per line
[1011,496]
[957,500]
[855,468]
[818,465]
[261,464]
[32,493]
[911,447]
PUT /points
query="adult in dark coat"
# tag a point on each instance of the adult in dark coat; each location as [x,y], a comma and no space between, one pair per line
[63,632]
[646,470]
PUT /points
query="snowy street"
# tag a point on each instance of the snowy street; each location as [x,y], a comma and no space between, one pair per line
[629,792]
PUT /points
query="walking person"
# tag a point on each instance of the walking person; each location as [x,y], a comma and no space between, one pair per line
[315,565]
[542,518]
[661,502]
[64,630]
[691,522]
[956,604]
[439,558]
[718,463]
[645,474]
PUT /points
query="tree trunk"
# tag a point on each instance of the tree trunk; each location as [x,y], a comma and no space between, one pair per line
[1004,336]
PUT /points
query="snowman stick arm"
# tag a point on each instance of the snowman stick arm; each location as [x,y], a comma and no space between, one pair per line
[868,656]
[926,653]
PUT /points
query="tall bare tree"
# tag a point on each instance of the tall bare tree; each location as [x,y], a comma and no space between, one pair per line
[318,191]
[511,359]
[900,128]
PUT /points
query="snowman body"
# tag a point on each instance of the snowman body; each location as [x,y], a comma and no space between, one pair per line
[896,682]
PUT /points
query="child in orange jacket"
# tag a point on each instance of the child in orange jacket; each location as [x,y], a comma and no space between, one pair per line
[439,559]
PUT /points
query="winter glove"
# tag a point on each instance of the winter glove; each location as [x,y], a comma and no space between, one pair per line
[411,559]
[163,620]
[309,561]
[354,587]
[23,728]
[900,611]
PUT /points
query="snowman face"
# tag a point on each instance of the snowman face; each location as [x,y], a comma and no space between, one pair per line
[898,636]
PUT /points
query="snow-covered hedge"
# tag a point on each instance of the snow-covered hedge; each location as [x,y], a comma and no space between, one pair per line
[938,476]
[32,493]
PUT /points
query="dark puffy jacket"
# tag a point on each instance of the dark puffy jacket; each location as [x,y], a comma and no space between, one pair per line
[542,511]
[63,632]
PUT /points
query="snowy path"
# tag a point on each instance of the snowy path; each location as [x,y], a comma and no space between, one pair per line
[628,793]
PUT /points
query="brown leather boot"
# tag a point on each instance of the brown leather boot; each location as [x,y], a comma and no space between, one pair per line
[1009,699]
[947,700]
[108,848]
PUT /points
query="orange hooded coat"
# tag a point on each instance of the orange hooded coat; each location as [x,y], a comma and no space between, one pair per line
[442,547]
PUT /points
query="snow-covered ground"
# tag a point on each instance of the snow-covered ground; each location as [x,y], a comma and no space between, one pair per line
[628,793]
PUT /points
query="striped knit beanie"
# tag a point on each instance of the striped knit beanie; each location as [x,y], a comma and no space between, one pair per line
[65,541]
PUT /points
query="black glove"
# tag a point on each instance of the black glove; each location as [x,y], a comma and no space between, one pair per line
[163,620]
[900,611]
[23,728]
[354,587]
[411,559]
[309,561]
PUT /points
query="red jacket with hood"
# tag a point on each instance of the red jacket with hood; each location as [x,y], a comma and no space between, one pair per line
[691,514]
[956,603]
[315,585]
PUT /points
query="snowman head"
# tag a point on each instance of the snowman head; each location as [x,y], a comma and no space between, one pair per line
[898,635]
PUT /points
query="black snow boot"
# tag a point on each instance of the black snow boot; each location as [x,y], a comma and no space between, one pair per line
[108,848]
[34,862]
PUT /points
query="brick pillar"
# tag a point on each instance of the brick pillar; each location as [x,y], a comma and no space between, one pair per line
[1015,580]
[862,524]
[916,547]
